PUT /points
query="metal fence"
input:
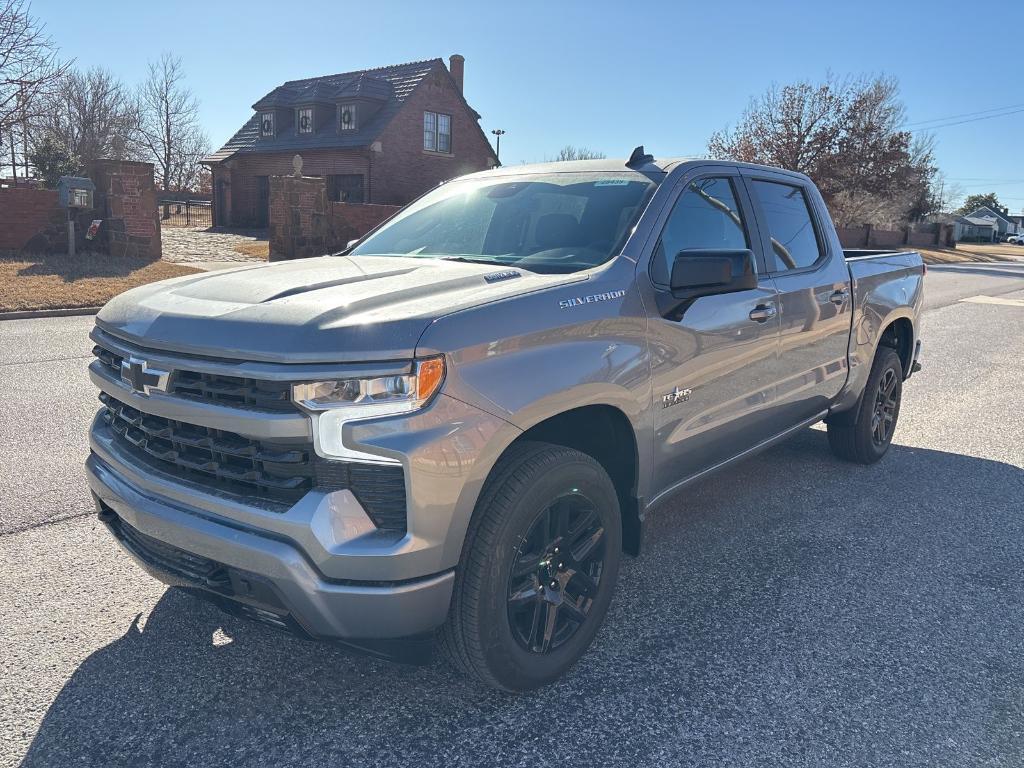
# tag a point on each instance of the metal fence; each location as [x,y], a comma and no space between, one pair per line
[185,213]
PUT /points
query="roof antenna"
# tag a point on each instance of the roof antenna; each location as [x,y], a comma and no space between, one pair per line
[639,157]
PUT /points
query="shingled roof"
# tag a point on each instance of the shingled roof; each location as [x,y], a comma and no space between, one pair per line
[391,85]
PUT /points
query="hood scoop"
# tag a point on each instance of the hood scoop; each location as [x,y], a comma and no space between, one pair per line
[320,285]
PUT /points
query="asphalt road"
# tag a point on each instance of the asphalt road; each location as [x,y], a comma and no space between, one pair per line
[800,611]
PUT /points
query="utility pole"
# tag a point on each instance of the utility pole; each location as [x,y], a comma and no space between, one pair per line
[497,152]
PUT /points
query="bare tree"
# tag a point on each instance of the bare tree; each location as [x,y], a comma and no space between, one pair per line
[844,134]
[91,115]
[569,152]
[170,131]
[29,65]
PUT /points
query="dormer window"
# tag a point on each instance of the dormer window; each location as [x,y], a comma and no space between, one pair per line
[267,124]
[347,117]
[304,120]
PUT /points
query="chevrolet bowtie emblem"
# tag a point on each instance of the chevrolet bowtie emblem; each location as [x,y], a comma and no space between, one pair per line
[141,378]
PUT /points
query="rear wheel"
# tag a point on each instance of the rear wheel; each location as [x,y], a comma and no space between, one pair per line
[864,434]
[538,568]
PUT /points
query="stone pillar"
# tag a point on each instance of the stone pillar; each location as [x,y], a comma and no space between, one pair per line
[125,199]
[299,225]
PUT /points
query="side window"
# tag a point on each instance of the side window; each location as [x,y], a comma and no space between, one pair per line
[788,216]
[705,217]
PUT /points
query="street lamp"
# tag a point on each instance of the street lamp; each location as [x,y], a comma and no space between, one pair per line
[497,152]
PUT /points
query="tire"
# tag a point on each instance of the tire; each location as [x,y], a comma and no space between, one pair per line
[864,434]
[540,499]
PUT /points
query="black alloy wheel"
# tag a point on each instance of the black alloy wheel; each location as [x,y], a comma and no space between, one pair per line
[556,574]
[538,568]
[883,419]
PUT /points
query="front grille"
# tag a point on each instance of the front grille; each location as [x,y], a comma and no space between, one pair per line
[192,569]
[271,472]
[235,391]
[275,475]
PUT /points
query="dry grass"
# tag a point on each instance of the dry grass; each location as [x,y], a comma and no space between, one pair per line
[972,252]
[257,249]
[57,282]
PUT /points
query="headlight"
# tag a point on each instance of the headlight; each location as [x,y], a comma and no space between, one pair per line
[335,402]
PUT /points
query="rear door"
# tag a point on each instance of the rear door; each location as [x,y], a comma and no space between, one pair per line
[713,369]
[810,273]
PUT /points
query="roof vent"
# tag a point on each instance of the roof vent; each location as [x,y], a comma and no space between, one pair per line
[639,157]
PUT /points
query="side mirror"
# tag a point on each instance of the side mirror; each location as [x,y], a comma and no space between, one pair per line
[351,243]
[706,273]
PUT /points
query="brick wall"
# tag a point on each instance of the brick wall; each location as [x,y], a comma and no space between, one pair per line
[919,236]
[304,223]
[31,221]
[239,174]
[25,213]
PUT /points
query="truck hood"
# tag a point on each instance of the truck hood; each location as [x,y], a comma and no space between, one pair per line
[326,309]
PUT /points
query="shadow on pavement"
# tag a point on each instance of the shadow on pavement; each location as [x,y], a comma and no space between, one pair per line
[793,610]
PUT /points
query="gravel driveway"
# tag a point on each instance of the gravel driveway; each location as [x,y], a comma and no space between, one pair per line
[186,245]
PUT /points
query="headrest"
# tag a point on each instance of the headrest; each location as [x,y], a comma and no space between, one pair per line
[558,230]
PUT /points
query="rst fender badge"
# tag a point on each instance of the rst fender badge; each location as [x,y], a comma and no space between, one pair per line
[578,301]
[675,397]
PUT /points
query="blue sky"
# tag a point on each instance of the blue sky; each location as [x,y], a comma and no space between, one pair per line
[601,74]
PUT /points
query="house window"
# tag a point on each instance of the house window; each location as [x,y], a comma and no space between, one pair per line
[267,124]
[345,188]
[437,132]
[347,117]
[305,120]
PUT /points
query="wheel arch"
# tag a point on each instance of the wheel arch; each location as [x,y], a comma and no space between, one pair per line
[605,433]
[899,335]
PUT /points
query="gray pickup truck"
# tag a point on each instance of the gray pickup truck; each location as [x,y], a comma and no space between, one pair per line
[450,433]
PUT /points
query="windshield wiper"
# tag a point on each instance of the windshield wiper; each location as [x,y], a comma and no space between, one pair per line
[476,260]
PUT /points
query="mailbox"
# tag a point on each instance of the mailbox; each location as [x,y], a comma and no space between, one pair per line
[75,192]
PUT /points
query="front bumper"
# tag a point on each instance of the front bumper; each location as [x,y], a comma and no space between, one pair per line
[264,574]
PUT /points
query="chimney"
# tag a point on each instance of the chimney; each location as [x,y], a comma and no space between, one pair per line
[457,66]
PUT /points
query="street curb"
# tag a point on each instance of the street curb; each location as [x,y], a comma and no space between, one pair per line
[34,313]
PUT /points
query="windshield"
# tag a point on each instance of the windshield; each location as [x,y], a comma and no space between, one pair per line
[557,222]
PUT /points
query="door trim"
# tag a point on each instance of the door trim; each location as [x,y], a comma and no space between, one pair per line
[764,444]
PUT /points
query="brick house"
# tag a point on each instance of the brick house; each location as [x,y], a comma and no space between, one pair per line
[382,135]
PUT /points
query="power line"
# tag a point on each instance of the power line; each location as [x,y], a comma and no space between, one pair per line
[964,114]
[961,122]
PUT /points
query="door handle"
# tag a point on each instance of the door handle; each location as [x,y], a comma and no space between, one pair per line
[839,297]
[762,313]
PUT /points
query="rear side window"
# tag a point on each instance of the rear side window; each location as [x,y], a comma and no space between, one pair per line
[706,217]
[788,216]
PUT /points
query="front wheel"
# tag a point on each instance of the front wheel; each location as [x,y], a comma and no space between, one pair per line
[538,568]
[864,434]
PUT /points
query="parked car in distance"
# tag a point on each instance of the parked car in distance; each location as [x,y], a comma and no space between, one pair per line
[1016,239]
[455,429]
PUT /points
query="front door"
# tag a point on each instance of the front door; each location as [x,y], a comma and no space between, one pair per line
[262,201]
[714,369]
[811,276]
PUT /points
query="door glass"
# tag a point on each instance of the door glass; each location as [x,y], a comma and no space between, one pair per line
[794,241]
[706,217]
